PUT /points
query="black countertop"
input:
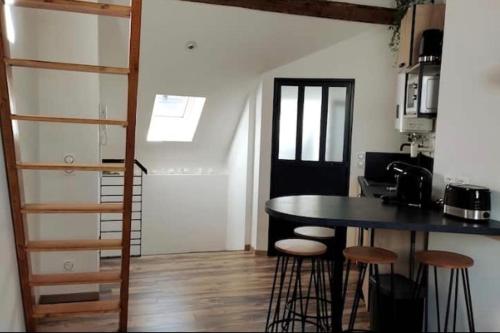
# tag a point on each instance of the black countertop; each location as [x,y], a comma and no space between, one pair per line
[371,213]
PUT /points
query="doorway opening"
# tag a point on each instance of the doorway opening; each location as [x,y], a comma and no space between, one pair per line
[312,126]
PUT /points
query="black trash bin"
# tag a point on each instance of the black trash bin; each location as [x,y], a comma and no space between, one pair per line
[408,310]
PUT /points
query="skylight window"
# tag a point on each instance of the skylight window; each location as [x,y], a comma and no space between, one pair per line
[175,118]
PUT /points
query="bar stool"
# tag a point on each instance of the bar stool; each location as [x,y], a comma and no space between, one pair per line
[283,313]
[324,235]
[459,265]
[320,234]
[367,257]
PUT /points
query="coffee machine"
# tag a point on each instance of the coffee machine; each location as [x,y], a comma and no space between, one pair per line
[413,185]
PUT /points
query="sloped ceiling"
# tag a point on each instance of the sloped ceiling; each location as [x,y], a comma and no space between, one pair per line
[235,46]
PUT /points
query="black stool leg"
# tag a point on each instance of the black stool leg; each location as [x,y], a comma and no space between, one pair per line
[346,282]
[450,290]
[281,265]
[377,291]
[317,291]
[357,296]
[426,314]
[291,311]
[320,292]
[437,299]
[272,293]
[300,296]
[311,280]
[468,299]
[297,292]
[324,298]
[456,302]
[393,299]
[462,271]
[285,323]
[418,281]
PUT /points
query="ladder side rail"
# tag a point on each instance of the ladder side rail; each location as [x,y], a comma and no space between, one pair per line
[14,179]
[133,81]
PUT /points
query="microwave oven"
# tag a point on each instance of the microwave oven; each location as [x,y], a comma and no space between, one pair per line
[422,92]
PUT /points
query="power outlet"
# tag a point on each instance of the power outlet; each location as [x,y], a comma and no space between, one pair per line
[361,159]
[448,179]
[462,180]
[69,265]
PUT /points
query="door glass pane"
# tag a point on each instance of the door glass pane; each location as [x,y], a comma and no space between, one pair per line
[288,122]
[312,123]
[335,127]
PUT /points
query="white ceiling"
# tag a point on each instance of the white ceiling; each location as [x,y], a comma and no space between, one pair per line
[235,46]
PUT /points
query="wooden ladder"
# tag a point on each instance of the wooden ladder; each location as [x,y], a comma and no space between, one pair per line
[14,167]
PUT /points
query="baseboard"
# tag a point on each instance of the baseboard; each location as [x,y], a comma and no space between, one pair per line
[258,252]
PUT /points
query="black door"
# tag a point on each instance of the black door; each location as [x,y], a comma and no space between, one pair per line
[312,125]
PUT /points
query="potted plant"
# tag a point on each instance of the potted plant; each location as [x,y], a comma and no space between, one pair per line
[401,8]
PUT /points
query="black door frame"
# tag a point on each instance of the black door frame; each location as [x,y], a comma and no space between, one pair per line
[301,84]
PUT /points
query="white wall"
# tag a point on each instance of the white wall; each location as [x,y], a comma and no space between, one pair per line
[24,94]
[233,52]
[113,39]
[184,213]
[11,311]
[257,195]
[65,37]
[365,58]
[235,46]
[69,38]
[239,171]
[467,137]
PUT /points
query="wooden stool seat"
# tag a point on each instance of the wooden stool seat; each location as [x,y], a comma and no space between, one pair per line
[444,259]
[458,266]
[300,247]
[315,232]
[370,255]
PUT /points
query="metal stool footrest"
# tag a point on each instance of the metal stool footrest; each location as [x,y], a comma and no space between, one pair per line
[290,301]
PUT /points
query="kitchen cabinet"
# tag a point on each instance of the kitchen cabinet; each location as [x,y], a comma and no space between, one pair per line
[417,19]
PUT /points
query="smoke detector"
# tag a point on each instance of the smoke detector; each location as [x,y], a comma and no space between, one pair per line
[191,46]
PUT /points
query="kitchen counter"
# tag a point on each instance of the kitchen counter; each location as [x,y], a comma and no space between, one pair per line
[371,213]
[343,212]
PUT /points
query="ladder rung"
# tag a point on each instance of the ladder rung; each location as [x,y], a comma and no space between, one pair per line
[76,7]
[69,120]
[74,245]
[79,167]
[66,66]
[44,310]
[55,208]
[75,278]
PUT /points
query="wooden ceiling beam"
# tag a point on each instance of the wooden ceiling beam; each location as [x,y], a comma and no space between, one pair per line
[315,8]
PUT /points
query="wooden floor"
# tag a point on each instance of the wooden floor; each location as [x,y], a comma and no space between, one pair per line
[223,291]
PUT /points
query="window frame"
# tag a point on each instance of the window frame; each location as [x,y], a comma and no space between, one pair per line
[193,111]
[325,84]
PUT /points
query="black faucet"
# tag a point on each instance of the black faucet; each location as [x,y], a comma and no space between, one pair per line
[404,145]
